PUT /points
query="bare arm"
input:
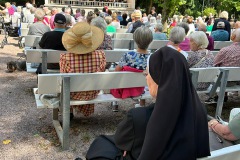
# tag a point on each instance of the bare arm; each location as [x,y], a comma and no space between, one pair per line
[222,130]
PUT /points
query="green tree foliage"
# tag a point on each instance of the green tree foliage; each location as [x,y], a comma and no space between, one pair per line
[209,10]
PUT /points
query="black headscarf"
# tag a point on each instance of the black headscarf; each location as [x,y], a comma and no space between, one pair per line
[177,129]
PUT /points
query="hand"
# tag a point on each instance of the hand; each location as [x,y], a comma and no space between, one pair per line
[213,122]
[124,153]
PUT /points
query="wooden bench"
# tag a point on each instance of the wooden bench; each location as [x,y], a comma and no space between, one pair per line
[228,153]
[45,56]
[218,76]
[66,83]
[218,45]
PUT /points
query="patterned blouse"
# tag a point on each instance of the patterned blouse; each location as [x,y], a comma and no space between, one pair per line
[201,59]
[83,63]
[135,60]
[107,43]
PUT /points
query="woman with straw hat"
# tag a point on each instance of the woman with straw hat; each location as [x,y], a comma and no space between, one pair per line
[81,41]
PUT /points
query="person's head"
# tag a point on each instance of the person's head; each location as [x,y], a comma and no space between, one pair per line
[158,27]
[82,38]
[39,14]
[114,16]
[59,20]
[82,12]
[133,17]
[67,11]
[153,20]
[108,20]
[68,20]
[237,25]
[100,23]
[63,9]
[224,14]
[90,16]
[104,9]
[202,27]
[109,12]
[124,16]
[143,37]
[54,11]
[177,35]
[198,40]
[28,5]
[137,16]
[7,5]
[185,26]
[78,10]
[220,25]
[190,20]
[96,11]
[32,10]
[14,3]
[235,37]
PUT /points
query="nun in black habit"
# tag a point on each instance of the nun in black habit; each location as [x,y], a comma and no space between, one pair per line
[177,128]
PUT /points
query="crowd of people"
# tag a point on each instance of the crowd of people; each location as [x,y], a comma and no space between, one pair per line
[170,129]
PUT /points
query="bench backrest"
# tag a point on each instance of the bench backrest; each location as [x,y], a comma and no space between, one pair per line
[53,56]
[51,83]
[32,40]
[123,36]
[122,43]
[155,44]
[24,31]
[122,30]
[220,44]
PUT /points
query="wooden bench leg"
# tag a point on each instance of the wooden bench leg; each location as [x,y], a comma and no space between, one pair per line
[66,112]
[222,92]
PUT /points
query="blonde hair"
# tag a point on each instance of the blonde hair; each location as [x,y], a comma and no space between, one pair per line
[114,16]
[224,14]
[7,4]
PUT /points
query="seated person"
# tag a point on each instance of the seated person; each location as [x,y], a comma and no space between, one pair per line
[185,44]
[53,39]
[220,34]
[110,28]
[158,35]
[144,133]
[82,42]
[230,131]
[136,60]
[200,57]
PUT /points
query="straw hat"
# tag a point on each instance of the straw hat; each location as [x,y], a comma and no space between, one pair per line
[82,38]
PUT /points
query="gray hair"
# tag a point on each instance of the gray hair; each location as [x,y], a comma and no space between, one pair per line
[200,38]
[32,10]
[177,35]
[143,37]
[202,27]
[185,26]
[108,19]
[68,20]
[159,27]
[100,23]
[39,14]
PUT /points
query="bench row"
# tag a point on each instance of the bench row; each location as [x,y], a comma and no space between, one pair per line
[65,83]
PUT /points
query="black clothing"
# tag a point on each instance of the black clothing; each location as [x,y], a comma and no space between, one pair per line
[136,25]
[124,22]
[131,131]
[52,40]
[177,128]
[227,26]
[128,137]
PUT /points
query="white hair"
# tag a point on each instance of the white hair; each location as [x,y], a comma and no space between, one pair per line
[200,38]
[236,32]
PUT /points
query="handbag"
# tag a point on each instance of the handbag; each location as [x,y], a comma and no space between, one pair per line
[104,148]
[217,142]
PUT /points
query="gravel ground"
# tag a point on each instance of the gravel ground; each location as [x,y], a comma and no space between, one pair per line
[30,129]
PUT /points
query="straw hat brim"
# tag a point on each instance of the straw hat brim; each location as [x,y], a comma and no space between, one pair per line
[79,48]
